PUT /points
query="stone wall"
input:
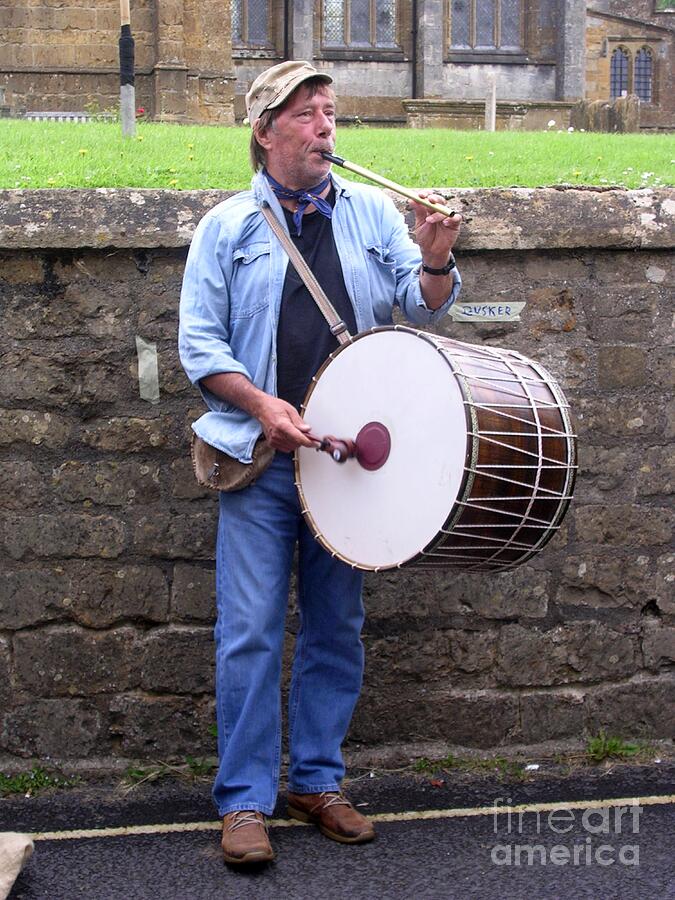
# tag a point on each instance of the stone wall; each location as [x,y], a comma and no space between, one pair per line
[466,115]
[64,56]
[106,543]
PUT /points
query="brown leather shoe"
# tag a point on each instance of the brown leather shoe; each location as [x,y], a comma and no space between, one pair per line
[334,814]
[245,838]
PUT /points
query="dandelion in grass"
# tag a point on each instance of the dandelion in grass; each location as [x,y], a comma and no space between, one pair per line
[190,156]
[83,151]
[468,158]
[173,182]
[140,138]
[576,173]
[51,181]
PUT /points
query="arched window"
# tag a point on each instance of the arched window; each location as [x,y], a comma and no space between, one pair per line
[251,24]
[485,24]
[359,24]
[642,78]
[618,73]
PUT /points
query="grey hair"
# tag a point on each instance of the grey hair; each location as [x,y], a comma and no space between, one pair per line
[257,153]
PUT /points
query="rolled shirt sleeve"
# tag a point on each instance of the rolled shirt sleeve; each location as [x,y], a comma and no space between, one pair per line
[203,335]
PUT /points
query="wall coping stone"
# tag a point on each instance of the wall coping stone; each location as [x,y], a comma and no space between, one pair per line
[495,218]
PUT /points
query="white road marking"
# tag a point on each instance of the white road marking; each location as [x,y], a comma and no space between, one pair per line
[408,816]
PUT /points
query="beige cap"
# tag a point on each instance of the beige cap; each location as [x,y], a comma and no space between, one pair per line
[275,85]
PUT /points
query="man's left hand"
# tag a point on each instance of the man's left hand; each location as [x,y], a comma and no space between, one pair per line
[435,232]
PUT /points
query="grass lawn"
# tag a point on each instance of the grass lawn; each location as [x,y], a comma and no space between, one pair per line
[70,155]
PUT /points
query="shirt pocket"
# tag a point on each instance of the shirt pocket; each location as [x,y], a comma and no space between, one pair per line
[382,279]
[250,280]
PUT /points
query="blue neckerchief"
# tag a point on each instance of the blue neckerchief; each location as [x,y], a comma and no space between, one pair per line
[304,198]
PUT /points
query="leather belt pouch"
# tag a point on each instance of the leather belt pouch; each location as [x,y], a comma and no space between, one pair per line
[221,472]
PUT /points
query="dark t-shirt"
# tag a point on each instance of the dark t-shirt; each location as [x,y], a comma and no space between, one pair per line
[303,335]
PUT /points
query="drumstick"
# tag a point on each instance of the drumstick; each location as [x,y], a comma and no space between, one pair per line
[341,449]
[370,447]
[385,182]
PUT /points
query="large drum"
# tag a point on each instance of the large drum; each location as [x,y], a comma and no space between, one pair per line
[465,454]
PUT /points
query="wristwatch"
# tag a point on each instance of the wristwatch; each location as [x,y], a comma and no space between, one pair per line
[446,270]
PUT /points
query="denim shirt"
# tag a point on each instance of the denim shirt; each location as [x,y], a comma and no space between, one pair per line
[234,277]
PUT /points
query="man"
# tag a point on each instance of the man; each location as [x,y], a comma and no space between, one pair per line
[251,338]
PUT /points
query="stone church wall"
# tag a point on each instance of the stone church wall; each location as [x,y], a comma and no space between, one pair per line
[64,57]
[107,544]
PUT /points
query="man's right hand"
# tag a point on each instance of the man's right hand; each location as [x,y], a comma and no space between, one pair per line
[283,426]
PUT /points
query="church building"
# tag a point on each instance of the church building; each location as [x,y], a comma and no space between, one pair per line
[393,61]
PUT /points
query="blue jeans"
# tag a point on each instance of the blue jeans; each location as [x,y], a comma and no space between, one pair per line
[257,533]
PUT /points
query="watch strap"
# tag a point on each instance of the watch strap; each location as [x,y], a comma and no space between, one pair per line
[447,268]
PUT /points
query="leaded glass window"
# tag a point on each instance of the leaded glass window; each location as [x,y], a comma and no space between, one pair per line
[510,28]
[385,24]
[618,73]
[642,81]
[333,22]
[486,24]
[359,26]
[369,24]
[460,23]
[251,23]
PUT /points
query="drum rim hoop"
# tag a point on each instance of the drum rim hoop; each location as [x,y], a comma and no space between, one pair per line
[309,518]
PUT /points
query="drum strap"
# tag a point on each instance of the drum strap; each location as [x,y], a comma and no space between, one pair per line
[337,326]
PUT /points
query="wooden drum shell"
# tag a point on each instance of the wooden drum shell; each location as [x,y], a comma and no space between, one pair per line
[520,465]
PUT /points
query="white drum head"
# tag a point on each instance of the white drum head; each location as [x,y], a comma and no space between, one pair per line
[380,519]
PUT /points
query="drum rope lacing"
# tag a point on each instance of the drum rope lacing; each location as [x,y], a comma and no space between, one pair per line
[527,520]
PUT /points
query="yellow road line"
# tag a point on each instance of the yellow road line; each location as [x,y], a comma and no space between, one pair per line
[409,816]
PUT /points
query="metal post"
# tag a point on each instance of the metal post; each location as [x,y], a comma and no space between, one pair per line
[127,89]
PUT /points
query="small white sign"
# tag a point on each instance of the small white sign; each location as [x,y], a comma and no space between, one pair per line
[148,370]
[506,311]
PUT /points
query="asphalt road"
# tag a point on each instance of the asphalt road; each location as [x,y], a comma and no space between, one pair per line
[593,851]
